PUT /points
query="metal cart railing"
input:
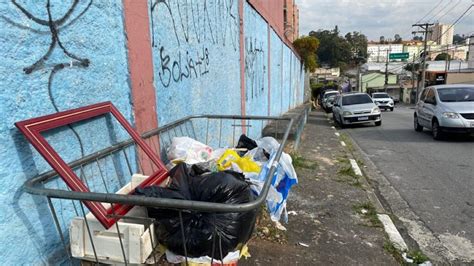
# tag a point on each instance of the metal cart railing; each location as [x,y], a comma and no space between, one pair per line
[214,130]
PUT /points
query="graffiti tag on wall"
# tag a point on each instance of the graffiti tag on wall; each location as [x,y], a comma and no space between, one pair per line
[255,68]
[192,23]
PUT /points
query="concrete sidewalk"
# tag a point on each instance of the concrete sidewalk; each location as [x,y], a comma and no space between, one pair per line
[332,220]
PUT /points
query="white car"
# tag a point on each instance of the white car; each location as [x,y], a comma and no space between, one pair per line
[383,100]
[445,108]
[326,96]
[356,108]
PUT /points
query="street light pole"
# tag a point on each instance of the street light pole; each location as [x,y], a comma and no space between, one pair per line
[386,72]
[425,30]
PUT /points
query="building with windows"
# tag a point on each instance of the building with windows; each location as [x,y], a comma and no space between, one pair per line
[291,20]
[442,34]
[378,52]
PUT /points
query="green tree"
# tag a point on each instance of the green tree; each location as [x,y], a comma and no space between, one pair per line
[458,39]
[306,47]
[397,38]
[442,57]
[337,51]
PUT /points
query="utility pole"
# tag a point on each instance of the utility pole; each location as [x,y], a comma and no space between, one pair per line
[412,76]
[425,30]
[386,72]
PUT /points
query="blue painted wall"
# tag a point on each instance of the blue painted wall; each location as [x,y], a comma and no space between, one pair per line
[196,56]
[276,74]
[256,67]
[91,68]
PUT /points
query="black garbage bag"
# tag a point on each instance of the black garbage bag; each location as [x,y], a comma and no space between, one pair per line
[230,229]
[247,143]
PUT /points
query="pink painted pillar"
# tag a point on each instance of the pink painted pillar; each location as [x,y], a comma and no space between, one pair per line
[269,67]
[242,63]
[140,64]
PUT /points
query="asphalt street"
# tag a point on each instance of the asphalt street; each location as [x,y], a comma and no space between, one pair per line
[435,178]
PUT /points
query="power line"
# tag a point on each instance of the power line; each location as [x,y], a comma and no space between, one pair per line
[453,7]
[429,11]
[434,16]
[457,20]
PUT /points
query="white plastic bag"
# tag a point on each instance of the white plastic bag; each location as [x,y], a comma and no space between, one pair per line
[188,150]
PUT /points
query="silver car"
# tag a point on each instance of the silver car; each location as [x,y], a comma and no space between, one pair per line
[446,108]
[356,108]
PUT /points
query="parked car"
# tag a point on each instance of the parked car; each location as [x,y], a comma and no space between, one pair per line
[383,100]
[356,108]
[328,102]
[326,95]
[445,108]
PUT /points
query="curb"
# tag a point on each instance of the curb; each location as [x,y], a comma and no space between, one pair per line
[389,227]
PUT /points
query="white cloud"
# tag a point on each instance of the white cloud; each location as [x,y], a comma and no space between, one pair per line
[381,17]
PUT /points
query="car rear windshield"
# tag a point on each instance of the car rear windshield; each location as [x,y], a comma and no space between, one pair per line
[327,94]
[380,95]
[356,99]
[456,94]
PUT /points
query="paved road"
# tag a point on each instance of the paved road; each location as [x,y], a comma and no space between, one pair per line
[435,178]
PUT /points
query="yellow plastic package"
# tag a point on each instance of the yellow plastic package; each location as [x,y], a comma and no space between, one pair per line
[245,163]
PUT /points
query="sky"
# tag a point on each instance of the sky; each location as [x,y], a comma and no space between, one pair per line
[376,18]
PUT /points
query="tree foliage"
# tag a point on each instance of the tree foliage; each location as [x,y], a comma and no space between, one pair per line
[397,38]
[458,39]
[337,51]
[442,57]
[417,38]
[307,47]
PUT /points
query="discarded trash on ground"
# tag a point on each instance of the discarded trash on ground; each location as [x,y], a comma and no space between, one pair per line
[303,244]
[231,229]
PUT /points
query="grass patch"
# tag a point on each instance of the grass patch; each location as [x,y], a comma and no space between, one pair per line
[392,250]
[367,210]
[417,256]
[301,162]
[346,173]
[344,137]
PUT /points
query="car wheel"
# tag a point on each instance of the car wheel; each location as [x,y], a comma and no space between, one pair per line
[378,123]
[436,131]
[341,124]
[391,109]
[418,127]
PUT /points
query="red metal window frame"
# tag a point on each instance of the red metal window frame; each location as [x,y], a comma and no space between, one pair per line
[32,129]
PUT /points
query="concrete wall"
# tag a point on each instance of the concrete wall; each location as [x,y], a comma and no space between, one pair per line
[156,62]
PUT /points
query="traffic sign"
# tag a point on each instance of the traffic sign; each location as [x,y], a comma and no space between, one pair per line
[398,56]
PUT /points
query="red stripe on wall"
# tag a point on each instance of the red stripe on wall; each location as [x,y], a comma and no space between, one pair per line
[140,64]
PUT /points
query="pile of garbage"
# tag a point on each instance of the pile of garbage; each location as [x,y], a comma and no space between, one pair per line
[224,175]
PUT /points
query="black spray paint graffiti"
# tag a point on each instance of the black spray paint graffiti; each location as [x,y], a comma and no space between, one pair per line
[255,68]
[179,69]
[54,27]
[205,22]
[208,21]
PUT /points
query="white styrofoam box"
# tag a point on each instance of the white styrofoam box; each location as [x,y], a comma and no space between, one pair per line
[137,240]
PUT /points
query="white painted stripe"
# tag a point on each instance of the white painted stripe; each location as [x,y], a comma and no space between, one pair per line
[337,134]
[355,167]
[333,127]
[343,144]
[392,232]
